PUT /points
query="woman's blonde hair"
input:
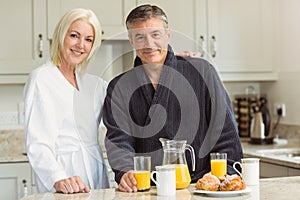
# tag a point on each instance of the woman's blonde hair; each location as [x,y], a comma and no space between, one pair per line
[61,30]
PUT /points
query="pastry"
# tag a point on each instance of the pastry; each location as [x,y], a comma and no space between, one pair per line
[208,182]
[232,183]
[223,183]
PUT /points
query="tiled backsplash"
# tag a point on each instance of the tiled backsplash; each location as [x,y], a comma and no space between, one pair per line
[289,132]
[12,142]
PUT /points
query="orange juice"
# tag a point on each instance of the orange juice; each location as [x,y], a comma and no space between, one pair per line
[183,178]
[142,180]
[218,167]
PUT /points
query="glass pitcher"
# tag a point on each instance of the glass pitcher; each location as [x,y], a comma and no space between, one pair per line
[174,154]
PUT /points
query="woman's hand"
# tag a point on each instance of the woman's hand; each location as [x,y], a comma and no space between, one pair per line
[73,184]
[189,54]
[128,182]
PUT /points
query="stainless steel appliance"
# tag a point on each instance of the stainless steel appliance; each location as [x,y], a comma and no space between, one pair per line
[260,129]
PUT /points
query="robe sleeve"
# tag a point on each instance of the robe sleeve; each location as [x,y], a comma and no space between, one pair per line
[118,142]
[41,129]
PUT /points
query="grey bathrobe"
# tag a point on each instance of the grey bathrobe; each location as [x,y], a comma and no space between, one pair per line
[190,103]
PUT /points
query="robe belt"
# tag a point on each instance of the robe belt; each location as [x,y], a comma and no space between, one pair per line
[84,151]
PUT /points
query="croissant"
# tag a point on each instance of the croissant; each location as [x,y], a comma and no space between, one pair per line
[208,182]
[232,183]
[223,183]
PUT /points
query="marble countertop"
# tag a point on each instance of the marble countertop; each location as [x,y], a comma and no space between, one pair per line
[12,158]
[264,152]
[272,188]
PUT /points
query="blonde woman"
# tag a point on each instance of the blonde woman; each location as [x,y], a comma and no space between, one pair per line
[63,107]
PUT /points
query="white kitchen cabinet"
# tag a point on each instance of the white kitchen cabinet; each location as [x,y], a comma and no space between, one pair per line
[112,14]
[238,37]
[33,183]
[12,176]
[23,38]
[181,22]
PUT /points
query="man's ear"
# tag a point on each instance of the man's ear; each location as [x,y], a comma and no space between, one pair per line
[169,34]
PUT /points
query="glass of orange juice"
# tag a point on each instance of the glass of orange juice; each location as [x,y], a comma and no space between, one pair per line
[142,168]
[218,164]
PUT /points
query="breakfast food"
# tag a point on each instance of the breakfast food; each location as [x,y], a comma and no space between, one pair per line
[210,182]
[232,183]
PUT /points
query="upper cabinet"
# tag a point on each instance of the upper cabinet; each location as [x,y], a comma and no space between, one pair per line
[237,37]
[23,32]
[111,14]
[181,22]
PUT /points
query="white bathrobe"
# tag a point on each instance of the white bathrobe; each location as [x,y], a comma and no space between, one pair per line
[61,126]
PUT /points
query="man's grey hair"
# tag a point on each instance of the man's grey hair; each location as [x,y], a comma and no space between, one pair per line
[145,12]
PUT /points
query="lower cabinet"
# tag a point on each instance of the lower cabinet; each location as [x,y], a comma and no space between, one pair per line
[15,180]
[293,172]
[268,170]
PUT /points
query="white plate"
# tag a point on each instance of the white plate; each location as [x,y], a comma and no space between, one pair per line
[223,193]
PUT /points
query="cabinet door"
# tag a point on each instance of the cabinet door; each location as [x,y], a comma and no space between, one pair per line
[181,22]
[268,170]
[11,180]
[22,32]
[239,35]
[111,14]
[293,172]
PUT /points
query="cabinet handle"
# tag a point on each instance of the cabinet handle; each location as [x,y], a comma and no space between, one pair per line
[41,45]
[202,46]
[213,46]
[25,189]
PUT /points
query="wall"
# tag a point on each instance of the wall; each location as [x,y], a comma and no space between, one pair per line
[112,59]
[286,89]
[237,88]
[11,96]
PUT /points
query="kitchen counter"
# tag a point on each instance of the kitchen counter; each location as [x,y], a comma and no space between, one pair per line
[264,152]
[272,188]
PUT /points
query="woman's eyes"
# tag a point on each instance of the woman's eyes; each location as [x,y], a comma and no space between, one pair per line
[89,40]
[74,35]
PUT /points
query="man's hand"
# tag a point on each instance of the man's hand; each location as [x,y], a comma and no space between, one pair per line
[73,184]
[128,182]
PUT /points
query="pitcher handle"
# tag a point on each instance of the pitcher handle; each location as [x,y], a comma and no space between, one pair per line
[192,152]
